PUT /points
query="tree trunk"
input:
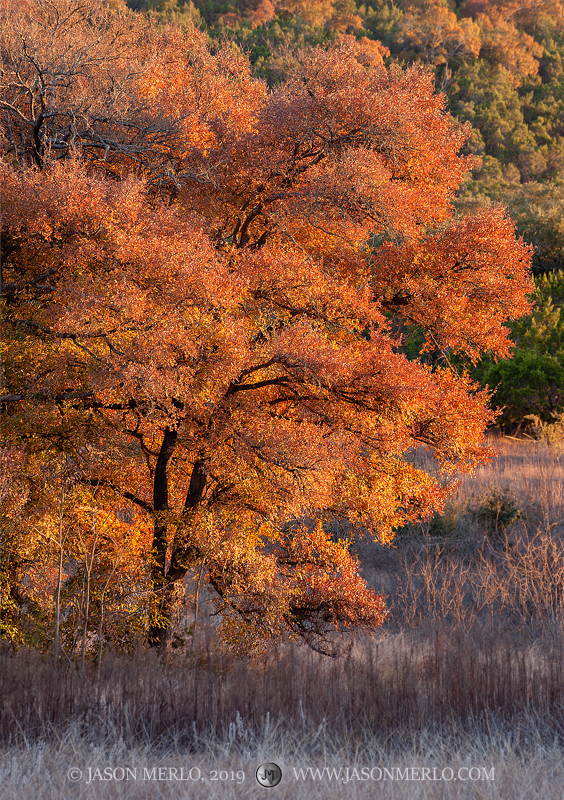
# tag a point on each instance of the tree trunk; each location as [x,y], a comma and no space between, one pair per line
[164,580]
[159,629]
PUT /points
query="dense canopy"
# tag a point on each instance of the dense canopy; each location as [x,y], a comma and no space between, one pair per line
[205,283]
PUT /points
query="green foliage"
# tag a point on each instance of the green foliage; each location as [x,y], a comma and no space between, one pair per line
[538,211]
[485,96]
[383,24]
[496,511]
[532,382]
[543,330]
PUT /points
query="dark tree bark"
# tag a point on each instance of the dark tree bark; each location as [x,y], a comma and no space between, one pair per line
[183,555]
[159,630]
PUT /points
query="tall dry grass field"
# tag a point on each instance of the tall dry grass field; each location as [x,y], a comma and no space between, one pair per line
[460,695]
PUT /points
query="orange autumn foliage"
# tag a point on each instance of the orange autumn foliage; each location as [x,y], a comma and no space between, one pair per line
[207,333]
[438,35]
[502,43]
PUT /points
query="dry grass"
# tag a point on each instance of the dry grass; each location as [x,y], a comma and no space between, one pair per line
[523,766]
[397,682]
[468,673]
[402,701]
[531,472]
[495,556]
